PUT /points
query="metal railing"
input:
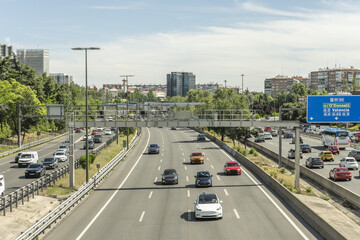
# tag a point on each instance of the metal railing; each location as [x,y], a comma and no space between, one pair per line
[31,144]
[40,226]
[32,188]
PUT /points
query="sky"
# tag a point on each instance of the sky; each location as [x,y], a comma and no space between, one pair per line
[217,40]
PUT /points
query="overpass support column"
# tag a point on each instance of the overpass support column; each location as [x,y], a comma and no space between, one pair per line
[297,157]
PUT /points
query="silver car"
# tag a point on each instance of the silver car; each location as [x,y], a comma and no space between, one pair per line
[349,163]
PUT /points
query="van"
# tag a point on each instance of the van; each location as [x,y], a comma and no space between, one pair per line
[28,157]
[2,185]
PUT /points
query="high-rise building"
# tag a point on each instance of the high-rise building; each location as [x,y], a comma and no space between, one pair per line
[334,80]
[211,87]
[62,78]
[179,83]
[38,59]
[5,51]
[282,83]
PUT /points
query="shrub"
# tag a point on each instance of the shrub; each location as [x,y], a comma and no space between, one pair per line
[252,150]
[292,172]
[243,152]
[82,160]
[283,170]
[308,190]
[256,154]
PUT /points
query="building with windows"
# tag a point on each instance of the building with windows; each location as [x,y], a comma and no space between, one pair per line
[38,59]
[179,83]
[5,51]
[334,80]
[62,78]
[211,87]
[281,83]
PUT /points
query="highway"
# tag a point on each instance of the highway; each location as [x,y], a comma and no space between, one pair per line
[317,146]
[15,176]
[132,203]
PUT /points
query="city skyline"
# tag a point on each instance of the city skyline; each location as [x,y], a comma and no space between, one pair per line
[216,41]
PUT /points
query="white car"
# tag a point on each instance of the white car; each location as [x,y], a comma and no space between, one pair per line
[60,156]
[268,136]
[107,132]
[110,119]
[89,137]
[100,129]
[208,205]
[349,163]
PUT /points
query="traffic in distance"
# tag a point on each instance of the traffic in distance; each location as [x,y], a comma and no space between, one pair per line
[334,142]
[40,162]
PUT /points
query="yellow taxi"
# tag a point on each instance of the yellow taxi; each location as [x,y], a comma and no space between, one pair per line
[326,156]
[197,157]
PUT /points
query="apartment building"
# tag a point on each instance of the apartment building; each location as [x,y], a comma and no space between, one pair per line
[334,80]
[38,59]
[62,78]
[282,83]
[5,51]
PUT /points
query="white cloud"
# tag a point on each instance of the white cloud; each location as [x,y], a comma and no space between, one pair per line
[249,6]
[293,46]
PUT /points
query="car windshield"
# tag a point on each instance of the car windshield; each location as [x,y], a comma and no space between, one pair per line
[203,174]
[350,160]
[59,154]
[317,159]
[233,164]
[35,165]
[342,134]
[327,153]
[197,154]
[47,160]
[305,145]
[97,136]
[170,172]
[334,147]
[26,156]
[62,147]
[342,170]
[153,145]
[207,199]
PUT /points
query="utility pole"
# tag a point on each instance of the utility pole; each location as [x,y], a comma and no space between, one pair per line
[127,107]
[225,82]
[242,83]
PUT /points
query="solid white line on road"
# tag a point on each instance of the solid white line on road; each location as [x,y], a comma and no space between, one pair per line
[226,193]
[187,178]
[159,168]
[188,193]
[271,200]
[142,216]
[150,194]
[212,166]
[218,177]
[112,196]
[236,214]
[185,167]
[189,214]
[155,179]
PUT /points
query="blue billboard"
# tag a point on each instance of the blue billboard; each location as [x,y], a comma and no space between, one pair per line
[333,109]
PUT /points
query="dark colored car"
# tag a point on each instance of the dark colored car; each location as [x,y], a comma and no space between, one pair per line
[288,135]
[170,176]
[17,157]
[51,163]
[305,148]
[91,144]
[201,137]
[334,149]
[203,179]
[314,162]
[173,128]
[232,167]
[355,154]
[340,173]
[113,129]
[293,140]
[35,170]
[98,138]
[154,148]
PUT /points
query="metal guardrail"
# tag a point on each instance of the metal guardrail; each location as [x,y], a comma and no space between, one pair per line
[31,144]
[40,226]
[30,189]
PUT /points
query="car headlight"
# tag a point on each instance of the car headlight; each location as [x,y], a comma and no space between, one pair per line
[197,208]
[26,171]
[197,181]
[219,208]
[38,171]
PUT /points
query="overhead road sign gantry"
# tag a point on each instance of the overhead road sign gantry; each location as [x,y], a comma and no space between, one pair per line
[333,109]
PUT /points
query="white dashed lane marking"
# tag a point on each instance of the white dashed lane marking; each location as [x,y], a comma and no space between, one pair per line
[142,216]
[212,166]
[226,193]
[188,193]
[185,167]
[189,214]
[218,177]
[155,179]
[236,214]
[150,194]
[159,168]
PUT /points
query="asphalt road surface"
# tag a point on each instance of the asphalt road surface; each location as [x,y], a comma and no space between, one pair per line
[132,203]
[317,147]
[15,176]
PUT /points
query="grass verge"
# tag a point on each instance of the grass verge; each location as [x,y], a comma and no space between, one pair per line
[61,187]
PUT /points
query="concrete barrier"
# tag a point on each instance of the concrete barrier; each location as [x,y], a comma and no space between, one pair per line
[318,223]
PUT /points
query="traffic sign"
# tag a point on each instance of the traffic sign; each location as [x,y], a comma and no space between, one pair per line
[333,109]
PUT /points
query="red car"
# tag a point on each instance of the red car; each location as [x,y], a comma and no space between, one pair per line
[94,132]
[334,149]
[78,130]
[232,167]
[340,173]
[268,129]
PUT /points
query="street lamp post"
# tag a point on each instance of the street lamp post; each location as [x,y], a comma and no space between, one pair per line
[86,108]
[242,83]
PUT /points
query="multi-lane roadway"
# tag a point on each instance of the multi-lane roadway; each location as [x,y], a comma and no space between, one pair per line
[15,176]
[317,147]
[133,204]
